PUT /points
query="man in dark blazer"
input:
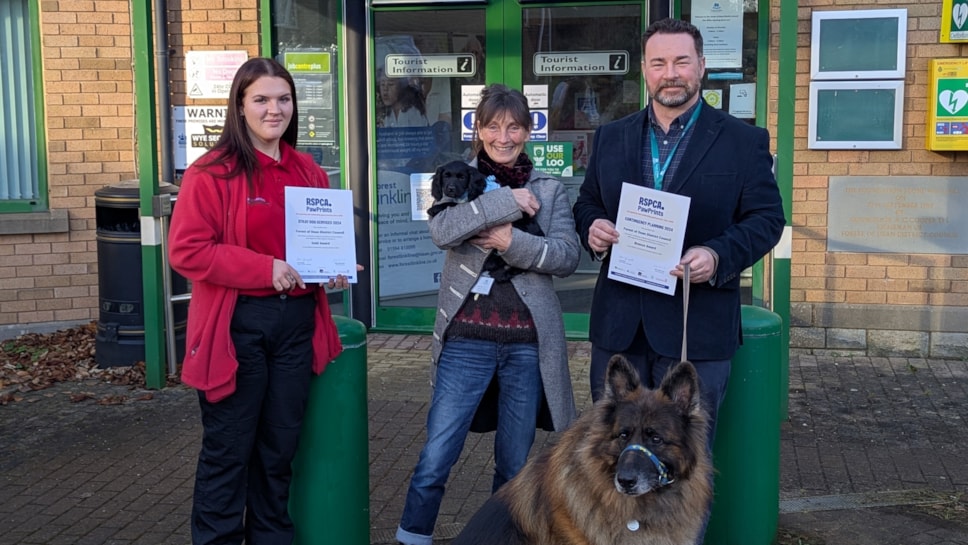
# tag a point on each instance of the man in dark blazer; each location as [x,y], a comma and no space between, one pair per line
[681,145]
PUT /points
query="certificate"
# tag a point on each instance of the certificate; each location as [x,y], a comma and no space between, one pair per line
[320,243]
[651,228]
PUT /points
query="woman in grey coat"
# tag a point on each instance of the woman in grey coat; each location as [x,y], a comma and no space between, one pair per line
[498,330]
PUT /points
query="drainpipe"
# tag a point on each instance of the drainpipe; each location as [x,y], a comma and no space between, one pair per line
[164,91]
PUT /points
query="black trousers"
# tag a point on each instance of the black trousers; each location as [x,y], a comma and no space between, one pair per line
[250,438]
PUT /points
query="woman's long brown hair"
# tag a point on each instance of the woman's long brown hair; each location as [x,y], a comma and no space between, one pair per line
[234,147]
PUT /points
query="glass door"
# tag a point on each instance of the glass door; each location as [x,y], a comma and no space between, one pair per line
[429,65]
[580,68]
[577,62]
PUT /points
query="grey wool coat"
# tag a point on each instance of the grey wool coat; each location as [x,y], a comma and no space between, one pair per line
[557,253]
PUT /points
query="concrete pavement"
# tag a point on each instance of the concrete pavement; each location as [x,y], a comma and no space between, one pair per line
[868,441]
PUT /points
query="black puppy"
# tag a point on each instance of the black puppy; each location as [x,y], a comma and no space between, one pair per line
[457,182]
[453,183]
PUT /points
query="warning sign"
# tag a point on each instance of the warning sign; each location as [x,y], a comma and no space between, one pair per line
[203,128]
[209,73]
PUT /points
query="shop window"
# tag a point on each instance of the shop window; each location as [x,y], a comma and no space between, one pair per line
[306,43]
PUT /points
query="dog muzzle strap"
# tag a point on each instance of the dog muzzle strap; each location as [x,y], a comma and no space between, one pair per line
[661,468]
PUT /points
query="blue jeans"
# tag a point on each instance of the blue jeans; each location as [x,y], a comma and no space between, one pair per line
[464,372]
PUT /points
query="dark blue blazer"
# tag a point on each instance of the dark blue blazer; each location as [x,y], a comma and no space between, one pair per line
[735,209]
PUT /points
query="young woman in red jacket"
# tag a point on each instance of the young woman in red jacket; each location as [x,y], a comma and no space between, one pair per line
[256,332]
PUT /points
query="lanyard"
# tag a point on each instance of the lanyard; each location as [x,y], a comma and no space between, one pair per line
[657,173]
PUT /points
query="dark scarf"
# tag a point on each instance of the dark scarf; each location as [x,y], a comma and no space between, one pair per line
[513,177]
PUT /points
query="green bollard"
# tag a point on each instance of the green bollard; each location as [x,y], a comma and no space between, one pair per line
[746,451]
[329,499]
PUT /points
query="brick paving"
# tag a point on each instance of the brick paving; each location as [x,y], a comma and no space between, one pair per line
[866,439]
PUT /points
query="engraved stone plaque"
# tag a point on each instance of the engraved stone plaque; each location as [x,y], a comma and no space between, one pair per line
[898,214]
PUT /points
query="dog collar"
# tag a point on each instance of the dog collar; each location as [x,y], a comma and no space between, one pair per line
[664,478]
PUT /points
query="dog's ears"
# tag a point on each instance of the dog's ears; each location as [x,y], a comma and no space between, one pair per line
[621,378]
[681,385]
[476,183]
[436,189]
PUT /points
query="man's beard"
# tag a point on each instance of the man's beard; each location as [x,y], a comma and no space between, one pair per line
[686,92]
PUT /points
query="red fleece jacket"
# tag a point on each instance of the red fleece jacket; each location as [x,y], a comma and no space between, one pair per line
[207,245]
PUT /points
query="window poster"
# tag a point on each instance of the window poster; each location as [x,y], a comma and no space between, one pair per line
[721,24]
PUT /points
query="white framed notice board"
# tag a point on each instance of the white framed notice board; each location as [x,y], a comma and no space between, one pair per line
[856,114]
[858,44]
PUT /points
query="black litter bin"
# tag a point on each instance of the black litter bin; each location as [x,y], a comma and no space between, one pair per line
[120,338]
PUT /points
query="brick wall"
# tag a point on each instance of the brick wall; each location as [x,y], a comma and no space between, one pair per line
[88,84]
[838,296]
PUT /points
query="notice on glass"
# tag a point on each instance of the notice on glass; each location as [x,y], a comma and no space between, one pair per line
[651,228]
[742,100]
[721,24]
[319,233]
[420,195]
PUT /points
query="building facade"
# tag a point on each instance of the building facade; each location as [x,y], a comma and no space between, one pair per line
[76,123]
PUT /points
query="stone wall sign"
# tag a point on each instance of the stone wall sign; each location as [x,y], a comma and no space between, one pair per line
[898,214]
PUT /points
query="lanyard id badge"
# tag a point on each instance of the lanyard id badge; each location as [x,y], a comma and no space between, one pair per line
[483,285]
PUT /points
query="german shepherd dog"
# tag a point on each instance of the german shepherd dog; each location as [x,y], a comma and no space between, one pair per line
[457,182]
[634,469]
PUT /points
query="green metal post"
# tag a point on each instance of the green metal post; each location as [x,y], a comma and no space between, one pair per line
[746,453]
[329,498]
[267,30]
[785,143]
[151,263]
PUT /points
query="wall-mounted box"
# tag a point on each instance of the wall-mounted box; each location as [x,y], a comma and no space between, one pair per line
[856,114]
[858,44]
[954,21]
[947,105]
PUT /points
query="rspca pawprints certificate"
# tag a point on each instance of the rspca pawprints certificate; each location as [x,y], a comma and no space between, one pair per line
[319,233]
[651,229]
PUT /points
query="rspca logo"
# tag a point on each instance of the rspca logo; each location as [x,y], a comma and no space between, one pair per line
[651,206]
